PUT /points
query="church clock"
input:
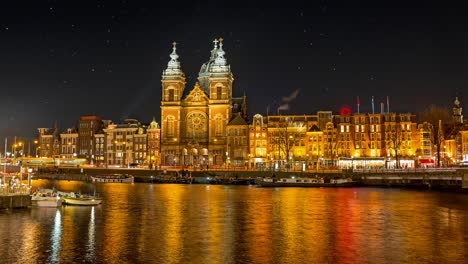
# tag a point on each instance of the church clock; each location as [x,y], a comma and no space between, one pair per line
[197,121]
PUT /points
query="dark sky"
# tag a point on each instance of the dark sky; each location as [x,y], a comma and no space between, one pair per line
[63,59]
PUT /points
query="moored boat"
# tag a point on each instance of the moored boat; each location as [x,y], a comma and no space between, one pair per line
[46,198]
[126,178]
[78,199]
[303,182]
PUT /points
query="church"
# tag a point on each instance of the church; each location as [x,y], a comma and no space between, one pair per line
[194,123]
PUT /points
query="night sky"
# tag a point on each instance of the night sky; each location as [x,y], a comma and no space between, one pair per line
[60,60]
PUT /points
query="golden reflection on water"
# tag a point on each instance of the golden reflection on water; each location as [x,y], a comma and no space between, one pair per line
[117,217]
[170,223]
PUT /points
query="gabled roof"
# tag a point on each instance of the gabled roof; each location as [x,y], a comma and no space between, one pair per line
[314,128]
[197,95]
[237,120]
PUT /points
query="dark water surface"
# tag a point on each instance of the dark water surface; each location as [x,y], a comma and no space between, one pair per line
[170,223]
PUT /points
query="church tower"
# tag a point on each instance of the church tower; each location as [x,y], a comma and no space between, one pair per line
[216,80]
[457,112]
[173,85]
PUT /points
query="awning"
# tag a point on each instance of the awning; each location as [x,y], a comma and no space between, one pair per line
[426,161]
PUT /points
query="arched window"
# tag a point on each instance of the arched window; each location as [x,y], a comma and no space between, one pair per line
[170,126]
[219,92]
[219,125]
[170,95]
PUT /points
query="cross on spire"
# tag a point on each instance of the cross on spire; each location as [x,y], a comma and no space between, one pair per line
[215,41]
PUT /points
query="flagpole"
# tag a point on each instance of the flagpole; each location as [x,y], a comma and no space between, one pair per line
[388,105]
[372,104]
[358,103]
[4,155]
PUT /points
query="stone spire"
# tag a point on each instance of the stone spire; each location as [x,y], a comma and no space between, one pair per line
[173,66]
[220,60]
[214,50]
[220,63]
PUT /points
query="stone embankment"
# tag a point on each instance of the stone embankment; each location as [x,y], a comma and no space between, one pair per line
[452,179]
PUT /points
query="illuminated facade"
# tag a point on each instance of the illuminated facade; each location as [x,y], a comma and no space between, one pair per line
[237,141]
[68,144]
[154,144]
[193,127]
[126,144]
[259,154]
[87,127]
[286,139]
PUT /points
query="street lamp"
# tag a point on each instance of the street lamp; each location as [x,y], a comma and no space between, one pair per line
[14,150]
[20,144]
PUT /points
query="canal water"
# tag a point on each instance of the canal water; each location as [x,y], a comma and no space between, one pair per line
[175,223]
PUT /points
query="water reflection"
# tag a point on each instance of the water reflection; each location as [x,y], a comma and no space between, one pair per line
[56,238]
[145,223]
[91,245]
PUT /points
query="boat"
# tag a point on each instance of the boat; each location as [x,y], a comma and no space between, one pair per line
[303,182]
[113,178]
[79,199]
[46,198]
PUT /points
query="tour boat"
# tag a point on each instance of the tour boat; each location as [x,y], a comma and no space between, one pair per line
[79,199]
[113,178]
[46,198]
[302,182]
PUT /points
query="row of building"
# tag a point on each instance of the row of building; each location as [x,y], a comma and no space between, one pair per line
[207,126]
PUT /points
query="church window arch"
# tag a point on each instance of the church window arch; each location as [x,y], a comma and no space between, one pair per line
[170,126]
[219,92]
[171,93]
[219,125]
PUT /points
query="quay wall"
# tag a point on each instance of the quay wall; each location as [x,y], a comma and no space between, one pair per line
[432,179]
[14,201]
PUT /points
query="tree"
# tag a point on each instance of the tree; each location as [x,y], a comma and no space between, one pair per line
[285,137]
[395,143]
[436,116]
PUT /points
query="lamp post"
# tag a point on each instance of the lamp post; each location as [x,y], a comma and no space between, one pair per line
[37,148]
[14,150]
[115,152]
[21,149]
[69,149]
